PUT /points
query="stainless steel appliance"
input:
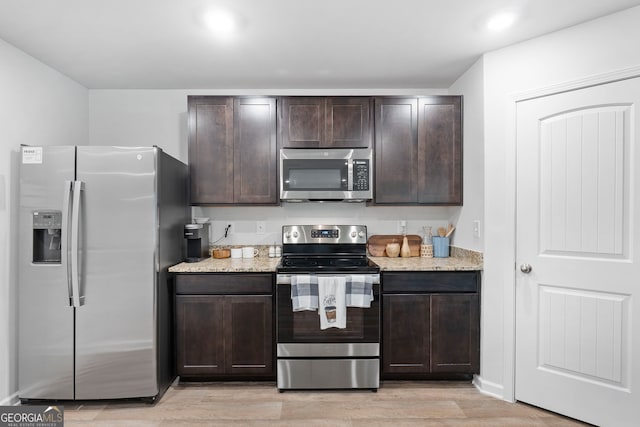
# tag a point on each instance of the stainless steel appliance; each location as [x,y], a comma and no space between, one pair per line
[99,227]
[326,174]
[309,357]
[197,242]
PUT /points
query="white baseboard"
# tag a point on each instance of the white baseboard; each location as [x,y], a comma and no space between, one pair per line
[489,388]
[11,400]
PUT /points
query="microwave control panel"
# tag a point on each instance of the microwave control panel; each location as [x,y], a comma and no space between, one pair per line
[361,175]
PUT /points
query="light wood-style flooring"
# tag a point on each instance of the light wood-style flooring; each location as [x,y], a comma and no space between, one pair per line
[395,404]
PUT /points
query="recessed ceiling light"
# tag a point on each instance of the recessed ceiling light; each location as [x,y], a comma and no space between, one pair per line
[220,22]
[501,21]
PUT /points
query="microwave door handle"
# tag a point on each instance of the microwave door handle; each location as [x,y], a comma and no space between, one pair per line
[350,175]
[65,243]
[78,187]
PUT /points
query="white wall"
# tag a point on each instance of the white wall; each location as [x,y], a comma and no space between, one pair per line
[38,106]
[471,85]
[159,117]
[597,47]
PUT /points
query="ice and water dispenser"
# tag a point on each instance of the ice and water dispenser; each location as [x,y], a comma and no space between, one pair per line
[47,237]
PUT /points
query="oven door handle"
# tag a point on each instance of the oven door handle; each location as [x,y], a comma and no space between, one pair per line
[285,279]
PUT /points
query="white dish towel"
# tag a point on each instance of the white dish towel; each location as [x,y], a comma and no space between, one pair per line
[332,302]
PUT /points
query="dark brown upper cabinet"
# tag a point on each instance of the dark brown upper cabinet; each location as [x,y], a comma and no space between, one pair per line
[418,149]
[325,122]
[232,150]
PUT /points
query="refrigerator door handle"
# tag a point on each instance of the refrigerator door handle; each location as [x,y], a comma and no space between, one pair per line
[65,246]
[78,187]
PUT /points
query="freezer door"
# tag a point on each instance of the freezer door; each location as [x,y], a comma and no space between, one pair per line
[115,325]
[45,316]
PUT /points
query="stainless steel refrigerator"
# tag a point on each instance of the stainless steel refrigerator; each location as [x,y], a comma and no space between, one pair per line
[99,227]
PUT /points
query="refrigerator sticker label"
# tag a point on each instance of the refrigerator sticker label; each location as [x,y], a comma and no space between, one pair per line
[31,155]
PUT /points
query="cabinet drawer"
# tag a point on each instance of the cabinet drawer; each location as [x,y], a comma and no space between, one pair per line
[430,281]
[224,284]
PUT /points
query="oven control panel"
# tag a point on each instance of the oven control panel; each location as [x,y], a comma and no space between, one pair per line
[325,234]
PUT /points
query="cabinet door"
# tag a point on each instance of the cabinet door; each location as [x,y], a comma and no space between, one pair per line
[200,335]
[255,151]
[455,339]
[440,150]
[348,122]
[406,331]
[303,122]
[396,145]
[249,335]
[210,149]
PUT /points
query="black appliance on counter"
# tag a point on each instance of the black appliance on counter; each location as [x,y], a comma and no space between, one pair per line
[197,242]
[309,357]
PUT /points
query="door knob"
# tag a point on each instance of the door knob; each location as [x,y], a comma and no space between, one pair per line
[526,268]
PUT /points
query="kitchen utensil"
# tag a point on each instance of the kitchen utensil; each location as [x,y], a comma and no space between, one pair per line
[442,231]
[450,231]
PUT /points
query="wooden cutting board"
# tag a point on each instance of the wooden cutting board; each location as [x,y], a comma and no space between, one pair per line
[377,243]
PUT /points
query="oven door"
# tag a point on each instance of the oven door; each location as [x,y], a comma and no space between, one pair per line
[299,333]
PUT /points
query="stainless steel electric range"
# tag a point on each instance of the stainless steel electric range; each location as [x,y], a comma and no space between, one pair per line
[309,357]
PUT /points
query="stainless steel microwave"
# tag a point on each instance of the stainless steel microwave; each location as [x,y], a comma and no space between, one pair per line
[326,174]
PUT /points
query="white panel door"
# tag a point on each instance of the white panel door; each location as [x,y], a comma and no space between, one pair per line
[577,278]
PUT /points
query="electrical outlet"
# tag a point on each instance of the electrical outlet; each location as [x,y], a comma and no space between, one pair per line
[476,228]
[261,227]
[402,225]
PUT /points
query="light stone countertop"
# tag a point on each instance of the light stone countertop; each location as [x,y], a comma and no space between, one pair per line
[461,260]
[426,264]
[228,265]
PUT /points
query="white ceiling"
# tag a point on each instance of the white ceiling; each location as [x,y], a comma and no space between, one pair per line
[163,44]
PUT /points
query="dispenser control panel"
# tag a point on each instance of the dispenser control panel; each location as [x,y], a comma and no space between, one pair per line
[47,219]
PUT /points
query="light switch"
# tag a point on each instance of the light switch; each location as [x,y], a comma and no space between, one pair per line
[476,228]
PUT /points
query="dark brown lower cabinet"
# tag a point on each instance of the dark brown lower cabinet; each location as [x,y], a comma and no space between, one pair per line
[224,327]
[431,324]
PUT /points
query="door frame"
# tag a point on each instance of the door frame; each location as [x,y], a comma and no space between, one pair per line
[509,269]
